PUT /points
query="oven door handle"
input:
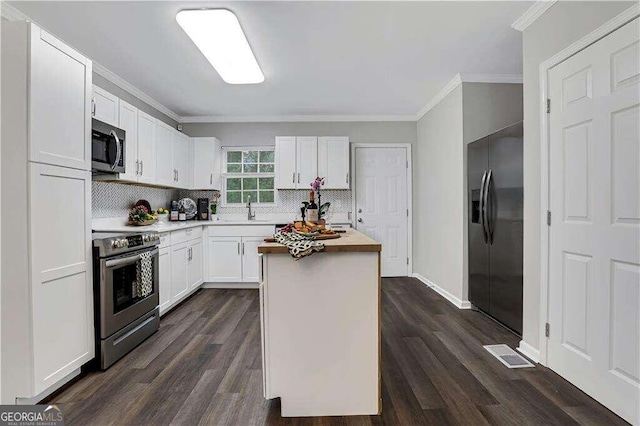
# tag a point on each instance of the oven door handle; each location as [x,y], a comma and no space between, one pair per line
[118,150]
[127,260]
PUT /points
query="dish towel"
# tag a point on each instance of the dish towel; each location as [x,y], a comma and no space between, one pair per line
[145,275]
[299,245]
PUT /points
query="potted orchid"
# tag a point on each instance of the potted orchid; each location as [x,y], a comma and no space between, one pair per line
[316,185]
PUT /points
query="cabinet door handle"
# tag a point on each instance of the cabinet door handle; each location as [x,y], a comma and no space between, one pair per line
[177,174]
[293,180]
[243,249]
[211,179]
[141,168]
[93,107]
[238,248]
[137,167]
[298,177]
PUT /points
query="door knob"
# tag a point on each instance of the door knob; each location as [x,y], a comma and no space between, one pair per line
[360,220]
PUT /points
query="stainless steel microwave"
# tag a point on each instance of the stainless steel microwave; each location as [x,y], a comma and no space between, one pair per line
[107,147]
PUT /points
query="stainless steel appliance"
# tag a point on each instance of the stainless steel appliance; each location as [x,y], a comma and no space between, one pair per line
[107,148]
[495,228]
[124,316]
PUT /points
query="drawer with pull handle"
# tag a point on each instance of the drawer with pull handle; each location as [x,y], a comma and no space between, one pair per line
[183,235]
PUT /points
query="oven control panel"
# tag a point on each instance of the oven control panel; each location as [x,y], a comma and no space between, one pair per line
[134,240]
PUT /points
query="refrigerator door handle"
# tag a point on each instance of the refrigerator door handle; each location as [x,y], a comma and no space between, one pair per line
[489,208]
[482,207]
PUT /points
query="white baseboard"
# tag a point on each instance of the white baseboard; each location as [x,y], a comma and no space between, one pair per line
[231,285]
[458,303]
[51,389]
[529,351]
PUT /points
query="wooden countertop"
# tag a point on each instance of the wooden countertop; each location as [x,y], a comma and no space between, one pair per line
[351,241]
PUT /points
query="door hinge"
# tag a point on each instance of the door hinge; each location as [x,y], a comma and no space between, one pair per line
[548,217]
[546,330]
[548,106]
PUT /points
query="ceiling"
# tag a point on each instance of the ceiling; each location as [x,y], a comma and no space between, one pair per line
[319,58]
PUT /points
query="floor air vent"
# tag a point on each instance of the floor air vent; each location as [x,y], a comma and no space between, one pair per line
[508,356]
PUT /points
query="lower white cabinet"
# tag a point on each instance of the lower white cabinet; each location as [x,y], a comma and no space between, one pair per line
[194,263]
[225,259]
[179,280]
[250,258]
[164,279]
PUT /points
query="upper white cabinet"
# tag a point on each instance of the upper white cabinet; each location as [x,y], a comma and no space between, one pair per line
[146,148]
[128,121]
[181,159]
[333,161]
[205,163]
[299,160]
[296,161]
[105,106]
[165,172]
[59,93]
[286,171]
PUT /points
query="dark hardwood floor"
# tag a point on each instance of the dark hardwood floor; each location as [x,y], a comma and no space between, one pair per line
[204,367]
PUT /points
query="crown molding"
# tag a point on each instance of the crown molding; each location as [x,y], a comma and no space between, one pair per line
[531,14]
[131,89]
[10,13]
[492,78]
[448,88]
[293,118]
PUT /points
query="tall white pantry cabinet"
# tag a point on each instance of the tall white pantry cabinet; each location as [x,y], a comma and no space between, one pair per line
[47,291]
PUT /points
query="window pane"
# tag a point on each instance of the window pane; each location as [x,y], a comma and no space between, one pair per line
[266,168]
[266,183]
[234,156]
[250,168]
[233,197]
[249,183]
[234,168]
[233,184]
[250,156]
[266,156]
[266,196]
[252,194]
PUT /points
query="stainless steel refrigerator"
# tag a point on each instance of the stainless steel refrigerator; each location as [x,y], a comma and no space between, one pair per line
[494,173]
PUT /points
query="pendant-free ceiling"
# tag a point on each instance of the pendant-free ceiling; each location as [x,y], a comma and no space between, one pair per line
[218,35]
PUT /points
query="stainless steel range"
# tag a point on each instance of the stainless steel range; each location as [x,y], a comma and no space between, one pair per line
[125,292]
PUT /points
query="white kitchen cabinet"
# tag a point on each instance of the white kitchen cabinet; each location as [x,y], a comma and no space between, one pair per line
[250,258]
[128,121]
[146,148]
[225,259]
[286,171]
[105,106]
[195,265]
[165,171]
[181,159]
[206,163]
[164,278]
[58,82]
[306,161]
[333,161]
[46,162]
[179,271]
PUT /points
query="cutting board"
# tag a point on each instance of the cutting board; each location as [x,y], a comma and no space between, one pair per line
[317,238]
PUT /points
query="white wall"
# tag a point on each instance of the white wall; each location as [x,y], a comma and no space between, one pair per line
[438,186]
[240,134]
[560,26]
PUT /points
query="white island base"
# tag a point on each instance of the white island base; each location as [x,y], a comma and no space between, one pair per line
[320,328]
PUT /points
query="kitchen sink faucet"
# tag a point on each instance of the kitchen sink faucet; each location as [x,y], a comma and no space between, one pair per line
[250,216]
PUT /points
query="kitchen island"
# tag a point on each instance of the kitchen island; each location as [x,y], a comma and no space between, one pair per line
[320,320]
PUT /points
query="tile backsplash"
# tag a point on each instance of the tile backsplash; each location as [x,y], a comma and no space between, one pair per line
[111,199]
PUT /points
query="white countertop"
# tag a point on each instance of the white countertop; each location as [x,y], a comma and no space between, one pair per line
[120,225]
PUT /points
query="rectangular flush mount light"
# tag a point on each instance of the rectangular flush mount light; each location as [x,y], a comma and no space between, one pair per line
[218,35]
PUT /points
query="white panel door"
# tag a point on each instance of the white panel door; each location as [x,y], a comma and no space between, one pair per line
[250,258]
[181,158]
[146,148]
[165,171]
[59,102]
[206,163]
[195,263]
[381,204]
[306,161]
[333,161]
[286,172]
[62,283]
[164,279]
[106,106]
[128,121]
[179,271]
[594,240]
[225,259]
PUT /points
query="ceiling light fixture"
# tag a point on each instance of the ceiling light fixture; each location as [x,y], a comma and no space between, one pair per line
[218,35]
